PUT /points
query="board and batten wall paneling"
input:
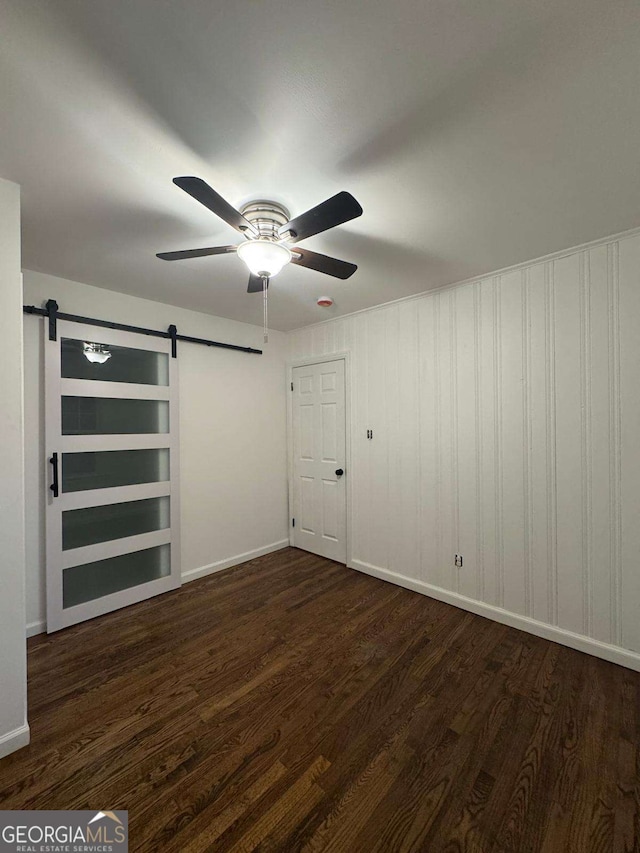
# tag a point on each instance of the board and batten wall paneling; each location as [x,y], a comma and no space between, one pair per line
[569,415]
[625,355]
[489,511]
[466,465]
[427,498]
[537,446]
[406,551]
[512,435]
[505,414]
[599,446]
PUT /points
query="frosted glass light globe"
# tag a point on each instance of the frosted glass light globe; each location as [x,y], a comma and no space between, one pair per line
[264,258]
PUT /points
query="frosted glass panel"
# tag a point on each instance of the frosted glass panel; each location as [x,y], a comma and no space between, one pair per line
[106,469]
[93,524]
[110,416]
[104,577]
[125,364]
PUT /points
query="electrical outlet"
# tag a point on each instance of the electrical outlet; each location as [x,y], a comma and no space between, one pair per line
[458,560]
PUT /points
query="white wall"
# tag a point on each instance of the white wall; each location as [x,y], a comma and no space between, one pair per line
[14,731]
[506,418]
[232,431]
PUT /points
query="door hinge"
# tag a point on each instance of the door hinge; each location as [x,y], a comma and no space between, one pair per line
[292,386]
[293,522]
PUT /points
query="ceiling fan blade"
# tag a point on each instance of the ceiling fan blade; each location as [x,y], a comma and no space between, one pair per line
[255,284]
[195,253]
[322,263]
[202,192]
[334,211]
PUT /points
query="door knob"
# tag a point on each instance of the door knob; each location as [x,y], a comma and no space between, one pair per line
[339,472]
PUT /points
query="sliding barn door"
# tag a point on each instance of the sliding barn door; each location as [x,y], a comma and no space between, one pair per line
[112,512]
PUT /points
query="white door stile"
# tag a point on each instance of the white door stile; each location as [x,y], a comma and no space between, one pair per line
[53,512]
[175,578]
[58,560]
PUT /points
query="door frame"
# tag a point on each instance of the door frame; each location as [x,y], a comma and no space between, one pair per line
[345,356]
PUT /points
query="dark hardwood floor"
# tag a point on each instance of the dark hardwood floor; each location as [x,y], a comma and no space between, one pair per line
[292,704]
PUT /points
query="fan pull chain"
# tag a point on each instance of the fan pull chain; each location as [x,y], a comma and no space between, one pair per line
[265,288]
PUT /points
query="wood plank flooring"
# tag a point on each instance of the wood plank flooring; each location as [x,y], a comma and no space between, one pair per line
[291,704]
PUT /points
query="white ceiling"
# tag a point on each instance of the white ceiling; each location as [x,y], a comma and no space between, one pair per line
[474,134]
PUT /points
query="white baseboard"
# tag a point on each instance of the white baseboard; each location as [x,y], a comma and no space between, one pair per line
[203,571]
[34,628]
[615,654]
[13,740]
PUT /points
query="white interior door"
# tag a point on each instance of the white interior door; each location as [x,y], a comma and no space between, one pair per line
[112,514]
[319,447]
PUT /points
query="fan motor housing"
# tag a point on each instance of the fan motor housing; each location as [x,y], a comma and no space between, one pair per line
[267,217]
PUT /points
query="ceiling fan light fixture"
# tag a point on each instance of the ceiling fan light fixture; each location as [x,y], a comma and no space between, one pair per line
[264,258]
[96,353]
[270,232]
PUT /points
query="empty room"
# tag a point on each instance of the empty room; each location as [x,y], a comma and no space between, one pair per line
[320,426]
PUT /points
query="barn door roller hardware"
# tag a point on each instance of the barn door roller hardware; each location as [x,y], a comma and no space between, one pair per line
[50,311]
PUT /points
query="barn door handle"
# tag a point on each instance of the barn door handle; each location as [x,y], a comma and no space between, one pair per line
[339,472]
[55,486]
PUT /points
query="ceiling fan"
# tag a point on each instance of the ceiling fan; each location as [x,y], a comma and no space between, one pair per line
[270,234]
